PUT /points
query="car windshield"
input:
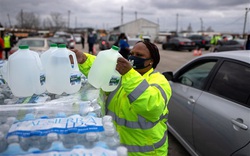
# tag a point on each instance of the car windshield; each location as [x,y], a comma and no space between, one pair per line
[32,43]
[63,35]
[57,40]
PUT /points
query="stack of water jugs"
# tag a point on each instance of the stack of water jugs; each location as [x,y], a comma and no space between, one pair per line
[58,127]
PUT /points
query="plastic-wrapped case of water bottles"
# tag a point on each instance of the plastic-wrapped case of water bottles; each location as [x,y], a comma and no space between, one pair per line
[58,127]
[51,124]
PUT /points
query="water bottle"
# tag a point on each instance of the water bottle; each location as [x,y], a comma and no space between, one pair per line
[70,139]
[13,139]
[102,73]
[50,138]
[25,73]
[106,118]
[46,55]
[110,135]
[10,120]
[91,138]
[14,149]
[56,145]
[4,128]
[3,143]
[122,151]
[60,76]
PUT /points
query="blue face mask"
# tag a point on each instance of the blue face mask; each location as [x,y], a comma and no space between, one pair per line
[137,62]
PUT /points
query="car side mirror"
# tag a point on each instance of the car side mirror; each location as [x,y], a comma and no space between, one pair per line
[168,75]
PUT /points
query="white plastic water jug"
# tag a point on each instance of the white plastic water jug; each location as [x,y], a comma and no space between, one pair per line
[61,76]
[25,73]
[46,55]
[102,73]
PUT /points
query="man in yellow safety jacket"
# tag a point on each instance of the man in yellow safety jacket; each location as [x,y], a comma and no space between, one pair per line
[7,44]
[139,104]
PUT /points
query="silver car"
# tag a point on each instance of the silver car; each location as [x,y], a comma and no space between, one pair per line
[210,105]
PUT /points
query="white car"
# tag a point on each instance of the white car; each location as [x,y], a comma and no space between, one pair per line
[132,42]
[70,38]
[78,38]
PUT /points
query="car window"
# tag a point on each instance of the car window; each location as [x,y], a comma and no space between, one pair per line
[113,37]
[196,76]
[32,43]
[232,82]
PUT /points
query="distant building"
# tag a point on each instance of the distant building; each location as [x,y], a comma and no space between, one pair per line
[139,27]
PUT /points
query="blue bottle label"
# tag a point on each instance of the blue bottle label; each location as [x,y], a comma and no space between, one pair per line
[41,127]
[42,79]
[75,79]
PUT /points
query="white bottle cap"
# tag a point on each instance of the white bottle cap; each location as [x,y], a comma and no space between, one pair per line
[122,151]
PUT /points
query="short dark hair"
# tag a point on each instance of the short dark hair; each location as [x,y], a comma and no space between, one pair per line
[154,52]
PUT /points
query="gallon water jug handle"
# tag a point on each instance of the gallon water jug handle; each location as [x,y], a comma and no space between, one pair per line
[74,59]
[38,61]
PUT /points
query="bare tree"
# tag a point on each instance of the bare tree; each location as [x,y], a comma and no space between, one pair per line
[27,20]
[210,29]
[56,22]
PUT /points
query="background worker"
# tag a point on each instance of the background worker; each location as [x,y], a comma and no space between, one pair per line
[7,44]
[214,42]
[1,46]
[139,104]
[91,42]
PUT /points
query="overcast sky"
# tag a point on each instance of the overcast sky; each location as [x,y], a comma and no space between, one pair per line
[221,15]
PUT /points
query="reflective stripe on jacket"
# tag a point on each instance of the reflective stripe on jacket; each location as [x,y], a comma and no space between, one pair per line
[7,42]
[139,110]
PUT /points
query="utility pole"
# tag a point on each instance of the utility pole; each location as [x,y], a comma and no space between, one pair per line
[177,15]
[9,20]
[135,15]
[201,25]
[21,18]
[75,22]
[68,19]
[245,21]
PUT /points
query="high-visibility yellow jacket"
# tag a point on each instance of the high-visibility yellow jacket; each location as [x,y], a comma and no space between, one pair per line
[139,110]
[7,43]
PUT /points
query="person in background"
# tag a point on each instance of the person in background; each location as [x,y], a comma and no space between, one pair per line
[214,42]
[7,44]
[123,44]
[248,42]
[82,40]
[91,42]
[139,104]
[1,46]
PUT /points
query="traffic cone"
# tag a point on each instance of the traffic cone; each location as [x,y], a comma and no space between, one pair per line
[195,52]
[199,52]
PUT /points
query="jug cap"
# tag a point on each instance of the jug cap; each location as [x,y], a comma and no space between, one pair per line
[62,46]
[53,45]
[23,47]
[115,48]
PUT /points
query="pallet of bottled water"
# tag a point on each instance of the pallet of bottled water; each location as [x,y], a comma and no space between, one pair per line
[57,129]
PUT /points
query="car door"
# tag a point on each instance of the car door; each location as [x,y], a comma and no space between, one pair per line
[221,116]
[187,87]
